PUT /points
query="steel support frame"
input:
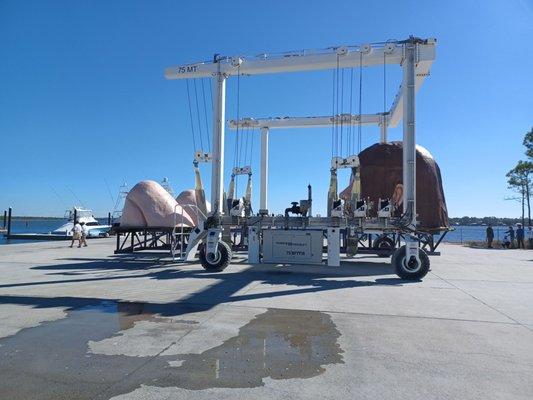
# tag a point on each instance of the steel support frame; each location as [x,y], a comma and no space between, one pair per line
[366,55]
[142,239]
[263,188]
[409,147]
[383,125]
[414,55]
[219,112]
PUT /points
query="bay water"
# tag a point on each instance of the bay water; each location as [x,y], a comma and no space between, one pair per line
[460,234]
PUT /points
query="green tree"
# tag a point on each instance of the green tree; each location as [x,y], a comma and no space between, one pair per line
[528,143]
[527,167]
[519,179]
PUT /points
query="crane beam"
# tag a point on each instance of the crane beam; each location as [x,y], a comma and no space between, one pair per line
[342,57]
[306,122]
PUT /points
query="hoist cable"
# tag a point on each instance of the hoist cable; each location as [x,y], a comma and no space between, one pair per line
[211,94]
[243,145]
[250,135]
[337,113]
[246,135]
[190,115]
[384,83]
[236,155]
[241,142]
[238,139]
[248,139]
[198,116]
[359,127]
[350,127]
[206,120]
[333,114]
[342,110]
[252,146]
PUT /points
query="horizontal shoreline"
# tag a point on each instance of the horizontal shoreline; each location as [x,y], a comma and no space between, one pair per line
[22,218]
[17,218]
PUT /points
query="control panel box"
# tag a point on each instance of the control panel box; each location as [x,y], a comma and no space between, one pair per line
[292,246]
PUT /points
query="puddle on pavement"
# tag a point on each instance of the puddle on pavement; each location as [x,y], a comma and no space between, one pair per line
[278,344]
[52,361]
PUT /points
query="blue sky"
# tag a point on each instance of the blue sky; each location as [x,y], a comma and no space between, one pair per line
[84,105]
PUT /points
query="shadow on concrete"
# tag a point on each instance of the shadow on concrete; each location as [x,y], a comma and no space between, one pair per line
[300,279]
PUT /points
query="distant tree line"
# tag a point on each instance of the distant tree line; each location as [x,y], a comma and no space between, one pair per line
[31,218]
[519,181]
[484,221]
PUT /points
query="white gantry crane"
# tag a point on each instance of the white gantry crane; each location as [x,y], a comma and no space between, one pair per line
[415,57]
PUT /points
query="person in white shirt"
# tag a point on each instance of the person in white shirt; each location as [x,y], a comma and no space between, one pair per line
[84,232]
[76,234]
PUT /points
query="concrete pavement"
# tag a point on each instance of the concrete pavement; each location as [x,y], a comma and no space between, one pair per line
[86,324]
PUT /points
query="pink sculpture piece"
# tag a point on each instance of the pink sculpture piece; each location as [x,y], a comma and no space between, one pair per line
[187,199]
[148,204]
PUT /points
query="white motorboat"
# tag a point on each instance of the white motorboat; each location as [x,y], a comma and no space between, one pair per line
[96,229]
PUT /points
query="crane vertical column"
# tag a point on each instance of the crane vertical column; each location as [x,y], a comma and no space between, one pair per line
[409,146]
[383,129]
[219,112]
[263,195]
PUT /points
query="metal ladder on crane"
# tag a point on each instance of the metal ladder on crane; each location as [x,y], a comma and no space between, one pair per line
[180,235]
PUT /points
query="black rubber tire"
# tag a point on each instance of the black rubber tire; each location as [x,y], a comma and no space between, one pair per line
[384,243]
[222,260]
[414,272]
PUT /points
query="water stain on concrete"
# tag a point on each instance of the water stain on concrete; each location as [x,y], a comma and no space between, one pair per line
[279,344]
[52,361]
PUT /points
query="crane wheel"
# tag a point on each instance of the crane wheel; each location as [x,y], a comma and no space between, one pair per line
[384,243]
[410,269]
[219,261]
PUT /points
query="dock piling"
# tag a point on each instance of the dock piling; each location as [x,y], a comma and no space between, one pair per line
[9,222]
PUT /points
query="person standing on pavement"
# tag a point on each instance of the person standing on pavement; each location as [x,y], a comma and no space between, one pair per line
[520,236]
[76,234]
[84,232]
[490,236]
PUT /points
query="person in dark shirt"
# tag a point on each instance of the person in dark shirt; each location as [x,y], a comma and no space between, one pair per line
[520,237]
[510,232]
[490,236]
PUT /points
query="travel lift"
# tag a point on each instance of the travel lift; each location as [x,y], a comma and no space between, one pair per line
[299,239]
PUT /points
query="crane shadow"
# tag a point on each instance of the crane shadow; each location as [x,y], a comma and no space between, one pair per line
[225,287]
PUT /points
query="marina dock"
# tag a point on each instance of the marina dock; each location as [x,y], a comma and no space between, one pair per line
[37,236]
[86,324]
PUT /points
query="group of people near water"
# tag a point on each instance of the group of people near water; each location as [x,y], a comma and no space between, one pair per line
[511,234]
[79,233]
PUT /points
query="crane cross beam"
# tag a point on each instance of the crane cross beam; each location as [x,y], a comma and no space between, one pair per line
[342,57]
